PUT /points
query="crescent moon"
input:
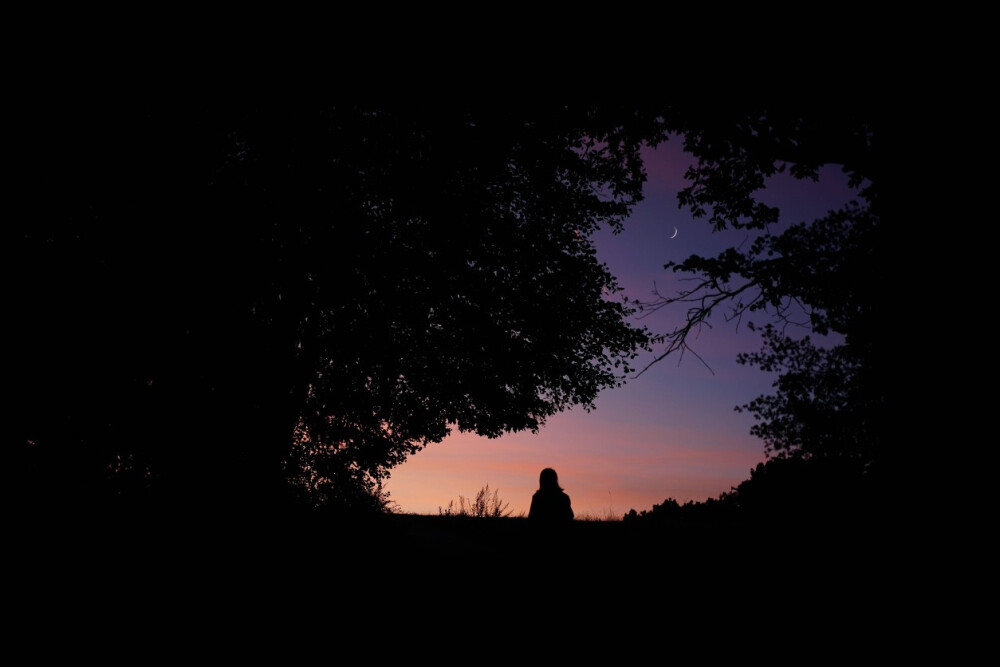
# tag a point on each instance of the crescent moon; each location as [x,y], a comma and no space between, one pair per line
[675,232]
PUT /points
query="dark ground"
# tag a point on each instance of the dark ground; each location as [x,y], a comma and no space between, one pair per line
[375,581]
[459,543]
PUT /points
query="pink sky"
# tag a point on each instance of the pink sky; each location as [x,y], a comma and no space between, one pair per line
[671,432]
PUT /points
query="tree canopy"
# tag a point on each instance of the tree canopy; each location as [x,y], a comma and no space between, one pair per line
[222,306]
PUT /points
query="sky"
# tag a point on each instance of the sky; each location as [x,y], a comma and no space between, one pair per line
[669,432]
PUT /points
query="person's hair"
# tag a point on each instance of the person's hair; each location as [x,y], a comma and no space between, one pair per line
[548,480]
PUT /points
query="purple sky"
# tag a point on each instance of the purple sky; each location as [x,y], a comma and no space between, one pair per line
[672,432]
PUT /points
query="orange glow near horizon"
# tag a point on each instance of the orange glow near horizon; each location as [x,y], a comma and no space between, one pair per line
[607,467]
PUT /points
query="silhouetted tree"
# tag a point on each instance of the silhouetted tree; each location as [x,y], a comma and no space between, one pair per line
[830,400]
[215,305]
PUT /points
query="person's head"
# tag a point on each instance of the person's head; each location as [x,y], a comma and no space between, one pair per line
[548,480]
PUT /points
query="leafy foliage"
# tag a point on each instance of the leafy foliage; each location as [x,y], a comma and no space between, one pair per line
[249,302]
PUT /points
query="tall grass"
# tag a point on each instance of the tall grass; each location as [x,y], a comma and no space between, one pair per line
[485,504]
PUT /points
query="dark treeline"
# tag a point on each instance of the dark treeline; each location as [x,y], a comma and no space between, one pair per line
[785,492]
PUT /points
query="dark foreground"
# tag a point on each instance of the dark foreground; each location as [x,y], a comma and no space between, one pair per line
[318,585]
[401,549]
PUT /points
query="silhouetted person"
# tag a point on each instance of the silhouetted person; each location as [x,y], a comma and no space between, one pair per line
[550,503]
